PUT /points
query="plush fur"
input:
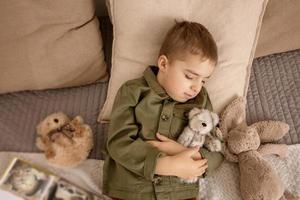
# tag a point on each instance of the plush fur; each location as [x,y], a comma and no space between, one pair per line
[65,142]
[243,145]
[198,133]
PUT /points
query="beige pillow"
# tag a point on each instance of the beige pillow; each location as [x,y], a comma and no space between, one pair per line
[140,27]
[49,44]
[280,30]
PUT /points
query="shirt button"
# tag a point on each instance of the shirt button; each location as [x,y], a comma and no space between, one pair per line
[157,180]
[164,117]
[186,114]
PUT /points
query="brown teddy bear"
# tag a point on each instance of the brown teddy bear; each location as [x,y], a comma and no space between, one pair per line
[246,145]
[65,142]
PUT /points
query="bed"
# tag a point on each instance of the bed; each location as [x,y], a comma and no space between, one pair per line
[274,93]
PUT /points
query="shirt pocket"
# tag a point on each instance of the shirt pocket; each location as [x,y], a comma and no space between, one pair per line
[179,121]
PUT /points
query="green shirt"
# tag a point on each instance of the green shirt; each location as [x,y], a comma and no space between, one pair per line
[141,109]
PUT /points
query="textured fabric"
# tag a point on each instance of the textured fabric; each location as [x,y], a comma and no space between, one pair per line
[49,44]
[280,29]
[141,109]
[235,29]
[222,185]
[121,199]
[274,92]
[21,111]
[87,175]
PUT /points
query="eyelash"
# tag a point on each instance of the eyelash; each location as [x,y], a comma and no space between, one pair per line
[190,78]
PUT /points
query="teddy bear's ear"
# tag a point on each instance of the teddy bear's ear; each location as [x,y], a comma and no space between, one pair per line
[215,118]
[193,112]
[39,129]
[270,131]
[233,115]
[78,120]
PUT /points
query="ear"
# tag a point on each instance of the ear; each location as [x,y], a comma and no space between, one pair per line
[193,112]
[233,115]
[228,155]
[271,131]
[215,118]
[78,120]
[39,129]
[162,63]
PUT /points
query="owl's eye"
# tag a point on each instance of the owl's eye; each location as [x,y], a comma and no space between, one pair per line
[56,120]
[203,124]
[70,191]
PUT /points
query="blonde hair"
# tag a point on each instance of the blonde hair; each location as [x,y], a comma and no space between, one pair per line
[189,37]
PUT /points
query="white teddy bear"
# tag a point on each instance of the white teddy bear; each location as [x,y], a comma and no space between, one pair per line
[198,133]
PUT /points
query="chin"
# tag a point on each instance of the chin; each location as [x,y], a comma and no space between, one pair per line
[181,100]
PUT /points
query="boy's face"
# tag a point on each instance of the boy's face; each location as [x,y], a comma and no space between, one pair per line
[183,79]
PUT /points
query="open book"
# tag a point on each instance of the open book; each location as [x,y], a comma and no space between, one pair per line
[31,182]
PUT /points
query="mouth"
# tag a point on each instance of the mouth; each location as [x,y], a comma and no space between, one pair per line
[189,95]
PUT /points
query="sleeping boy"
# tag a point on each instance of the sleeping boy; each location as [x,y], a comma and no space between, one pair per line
[143,159]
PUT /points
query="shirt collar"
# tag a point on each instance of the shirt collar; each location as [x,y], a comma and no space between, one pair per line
[150,77]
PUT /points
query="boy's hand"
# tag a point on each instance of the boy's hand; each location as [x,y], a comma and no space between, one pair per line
[167,145]
[181,165]
[197,156]
[170,147]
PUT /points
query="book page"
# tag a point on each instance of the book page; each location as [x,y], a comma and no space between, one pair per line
[31,182]
[9,196]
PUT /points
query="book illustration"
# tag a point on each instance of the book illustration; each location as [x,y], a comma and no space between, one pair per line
[32,183]
[64,190]
[25,180]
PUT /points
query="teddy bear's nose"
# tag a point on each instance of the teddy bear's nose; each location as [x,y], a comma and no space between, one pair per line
[203,124]
[56,120]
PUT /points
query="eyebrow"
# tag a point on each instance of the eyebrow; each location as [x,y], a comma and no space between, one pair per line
[192,72]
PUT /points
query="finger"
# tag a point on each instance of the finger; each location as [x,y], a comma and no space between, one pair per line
[192,151]
[161,137]
[197,173]
[201,172]
[204,167]
[201,162]
[201,169]
[197,156]
[192,177]
[154,143]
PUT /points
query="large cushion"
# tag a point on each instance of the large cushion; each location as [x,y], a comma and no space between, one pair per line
[280,30]
[140,27]
[49,44]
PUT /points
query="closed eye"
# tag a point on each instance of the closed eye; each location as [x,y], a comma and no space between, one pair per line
[188,77]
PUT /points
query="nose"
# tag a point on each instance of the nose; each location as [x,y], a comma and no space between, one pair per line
[196,88]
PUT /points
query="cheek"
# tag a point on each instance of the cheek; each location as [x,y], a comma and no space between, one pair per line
[179,85]
[181,82]
[201,85]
